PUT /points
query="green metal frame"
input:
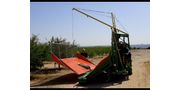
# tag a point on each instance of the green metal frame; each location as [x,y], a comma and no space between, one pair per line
[116,64]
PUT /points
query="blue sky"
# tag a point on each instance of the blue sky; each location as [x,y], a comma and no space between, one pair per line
[55,19]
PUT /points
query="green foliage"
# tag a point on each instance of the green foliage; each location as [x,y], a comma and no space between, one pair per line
[38,53]
[61,48]
[96,51]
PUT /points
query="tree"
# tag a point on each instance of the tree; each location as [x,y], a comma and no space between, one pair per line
[61,48]
[38,53]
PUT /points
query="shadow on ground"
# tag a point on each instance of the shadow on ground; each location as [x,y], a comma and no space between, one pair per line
[65,79]
[72,78]
[100,84]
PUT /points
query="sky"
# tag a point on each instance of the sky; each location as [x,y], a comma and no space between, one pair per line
[57,19]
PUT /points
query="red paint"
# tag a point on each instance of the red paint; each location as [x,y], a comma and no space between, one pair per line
[72,64]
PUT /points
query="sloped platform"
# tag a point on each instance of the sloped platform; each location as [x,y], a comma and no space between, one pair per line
[78,64]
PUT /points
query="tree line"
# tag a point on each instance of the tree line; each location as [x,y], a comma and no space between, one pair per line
[39,51]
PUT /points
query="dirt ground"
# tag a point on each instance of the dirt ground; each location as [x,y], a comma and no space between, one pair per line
[64,78]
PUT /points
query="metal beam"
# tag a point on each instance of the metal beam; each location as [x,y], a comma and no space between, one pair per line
[99,20]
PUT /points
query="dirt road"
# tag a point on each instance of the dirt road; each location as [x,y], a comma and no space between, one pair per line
[67,79]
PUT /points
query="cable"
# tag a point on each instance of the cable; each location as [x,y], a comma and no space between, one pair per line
[121,24]
[102,13]
[72,27]
[95,11]
[98,12]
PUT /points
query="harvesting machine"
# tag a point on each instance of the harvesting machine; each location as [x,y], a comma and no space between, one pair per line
[116,64]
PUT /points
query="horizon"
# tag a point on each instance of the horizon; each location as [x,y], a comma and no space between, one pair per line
[110,45]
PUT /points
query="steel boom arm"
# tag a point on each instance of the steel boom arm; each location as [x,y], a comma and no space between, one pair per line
[98,20]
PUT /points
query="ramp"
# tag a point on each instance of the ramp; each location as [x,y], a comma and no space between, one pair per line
[78,64]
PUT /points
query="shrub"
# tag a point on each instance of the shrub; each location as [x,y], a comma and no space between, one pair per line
[38,53]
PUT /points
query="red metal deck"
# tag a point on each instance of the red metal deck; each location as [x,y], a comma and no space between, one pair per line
[73,63]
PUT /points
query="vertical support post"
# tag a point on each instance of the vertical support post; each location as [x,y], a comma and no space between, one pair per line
[113,22]
[112,41]
[129,43]
[114,44]
[116,55]
[59,67]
